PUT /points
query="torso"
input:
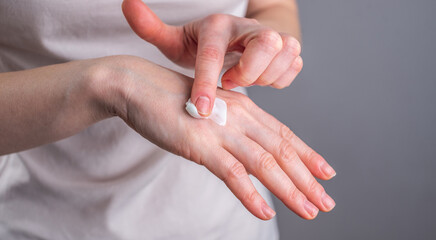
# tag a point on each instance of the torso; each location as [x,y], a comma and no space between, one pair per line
[107,182]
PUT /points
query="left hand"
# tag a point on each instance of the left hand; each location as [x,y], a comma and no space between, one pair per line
[252,141]
[268,58]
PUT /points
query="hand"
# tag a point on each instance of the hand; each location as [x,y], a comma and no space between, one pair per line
[252,141]
[268,57]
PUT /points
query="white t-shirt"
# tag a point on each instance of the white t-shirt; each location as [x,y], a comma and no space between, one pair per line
[107,182]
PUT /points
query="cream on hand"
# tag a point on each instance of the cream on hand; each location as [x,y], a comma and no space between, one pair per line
[218,115]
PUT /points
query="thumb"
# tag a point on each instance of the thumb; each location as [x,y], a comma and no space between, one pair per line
[149,27]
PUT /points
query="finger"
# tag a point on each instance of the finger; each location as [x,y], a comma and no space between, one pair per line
[281,63]
[288,77]
[234,175]
[213,40]
[260,49]
[263,165]
[227,84]
[317,165]
[291,164]
[149,27]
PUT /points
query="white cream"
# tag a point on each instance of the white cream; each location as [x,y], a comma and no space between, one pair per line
[218,115]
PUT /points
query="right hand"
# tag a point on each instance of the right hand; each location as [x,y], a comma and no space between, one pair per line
[252,141]
[267,57]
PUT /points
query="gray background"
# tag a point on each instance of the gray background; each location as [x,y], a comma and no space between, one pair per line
[366,100]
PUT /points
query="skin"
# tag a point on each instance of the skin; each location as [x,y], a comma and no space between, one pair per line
[75,95]
[280,15]
[269,54]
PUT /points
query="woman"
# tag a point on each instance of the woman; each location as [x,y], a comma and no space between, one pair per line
[72,164]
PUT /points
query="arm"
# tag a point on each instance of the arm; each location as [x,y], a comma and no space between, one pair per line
[46,104]
[50,103]
[281,15]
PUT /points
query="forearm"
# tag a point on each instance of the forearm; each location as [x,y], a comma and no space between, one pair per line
[280,15]
[46,104]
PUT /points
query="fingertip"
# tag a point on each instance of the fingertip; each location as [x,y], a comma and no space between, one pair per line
[299,62]
[203,100]
[267,211]
[203,96]
[327,170]
[228,84]
[317,165]
[328,202]
[311,210]
[147,25]
[203,105]
[260,208]
[124,6]
[129,5]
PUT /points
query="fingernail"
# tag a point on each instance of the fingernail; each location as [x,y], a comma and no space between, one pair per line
[267,211]
[310,208]
[228,84]
[328,202]
[203,105]
[328,170]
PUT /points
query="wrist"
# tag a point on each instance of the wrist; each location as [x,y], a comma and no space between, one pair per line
[107,83]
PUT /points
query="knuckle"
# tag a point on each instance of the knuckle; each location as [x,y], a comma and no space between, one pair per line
[293,194]
[314,186]
[270,39]
[312,157]
[236,171]
[245,101]
[235,106]
[250,197]
[292,45]
[253,21]
[215,19]
[286,133]
[309,154]
[185,151]
[287,152]
[266,161]
[240,101]
[210,53]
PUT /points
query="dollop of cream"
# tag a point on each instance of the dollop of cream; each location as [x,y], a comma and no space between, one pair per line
[218,115]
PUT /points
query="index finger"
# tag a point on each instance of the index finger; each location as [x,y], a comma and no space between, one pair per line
[213,40]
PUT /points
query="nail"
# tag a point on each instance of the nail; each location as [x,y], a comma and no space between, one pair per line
[267,211]
[228,84]
[328,202]
[328,170]
[203,105]
[310,208]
